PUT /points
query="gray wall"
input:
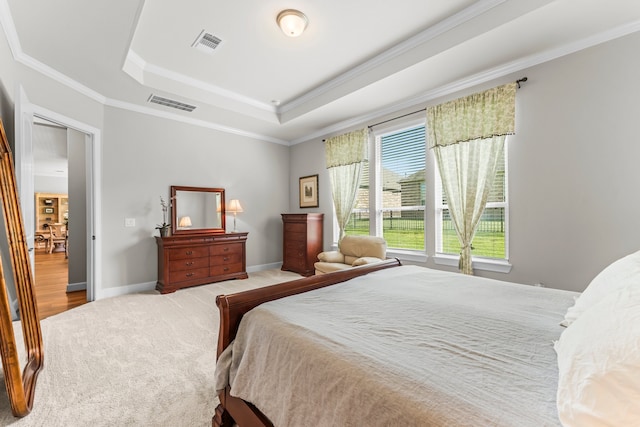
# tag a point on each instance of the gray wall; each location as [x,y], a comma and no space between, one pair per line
[573,167]
[144,155]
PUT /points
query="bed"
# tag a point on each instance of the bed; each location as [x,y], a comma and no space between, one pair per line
[395,345]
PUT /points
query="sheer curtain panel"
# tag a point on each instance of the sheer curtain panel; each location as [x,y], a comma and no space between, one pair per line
[345,155]
[467,136]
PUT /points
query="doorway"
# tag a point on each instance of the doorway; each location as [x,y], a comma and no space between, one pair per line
[59,172]
[85,209]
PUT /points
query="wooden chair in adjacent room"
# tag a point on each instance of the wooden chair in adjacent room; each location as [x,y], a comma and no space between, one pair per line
[57,238]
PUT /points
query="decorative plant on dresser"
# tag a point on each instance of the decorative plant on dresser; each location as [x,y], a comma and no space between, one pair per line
[199,250]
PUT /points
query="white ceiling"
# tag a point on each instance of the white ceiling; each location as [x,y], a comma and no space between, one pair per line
[357,59]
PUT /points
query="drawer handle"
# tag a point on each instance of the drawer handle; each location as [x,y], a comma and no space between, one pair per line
[226,269]
[188,264]
[225,258]
[189,274]
[226,249]
[189,253]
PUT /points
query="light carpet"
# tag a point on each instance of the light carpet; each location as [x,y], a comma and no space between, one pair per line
[136,360]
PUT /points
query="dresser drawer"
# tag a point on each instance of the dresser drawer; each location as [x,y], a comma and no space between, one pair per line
[295,227]
[295,263]
[185,261]
[188,263]
[295,254]
[295,245]
[185,275]
[186,253]
[296,237]
[217,270]
[230,258]
[226,249]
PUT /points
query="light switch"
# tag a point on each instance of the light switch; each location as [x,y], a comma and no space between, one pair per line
[129,222]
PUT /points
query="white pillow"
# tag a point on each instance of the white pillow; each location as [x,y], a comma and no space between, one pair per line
[620,274]
[599,364]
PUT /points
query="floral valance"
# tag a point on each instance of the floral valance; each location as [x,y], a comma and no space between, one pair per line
[346,149]
[478,116]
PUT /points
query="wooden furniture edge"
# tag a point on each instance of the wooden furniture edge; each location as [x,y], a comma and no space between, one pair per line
[20,388]
[232,307]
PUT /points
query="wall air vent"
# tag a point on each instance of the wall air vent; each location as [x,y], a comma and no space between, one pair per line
[206,42]
[170,103]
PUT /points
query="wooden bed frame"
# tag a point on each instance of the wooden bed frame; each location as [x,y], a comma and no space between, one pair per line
[233,307]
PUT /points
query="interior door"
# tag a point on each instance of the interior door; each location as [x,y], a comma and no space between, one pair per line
[23,152]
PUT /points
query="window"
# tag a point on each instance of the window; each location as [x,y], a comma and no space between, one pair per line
[490,238]
[400,190]
[402,187]
[393,189]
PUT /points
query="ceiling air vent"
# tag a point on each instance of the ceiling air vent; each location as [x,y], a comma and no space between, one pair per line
[171,103]
[206,42]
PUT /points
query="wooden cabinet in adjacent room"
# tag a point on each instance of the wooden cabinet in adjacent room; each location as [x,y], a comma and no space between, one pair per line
[302,242]
[192,260]
[50,209]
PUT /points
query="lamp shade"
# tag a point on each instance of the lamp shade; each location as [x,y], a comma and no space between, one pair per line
[185,221]
[234,206]
[292,22]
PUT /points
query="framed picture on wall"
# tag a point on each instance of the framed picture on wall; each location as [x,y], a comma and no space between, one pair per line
[309,191]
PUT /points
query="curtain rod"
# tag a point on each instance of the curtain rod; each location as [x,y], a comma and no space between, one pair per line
[522,80]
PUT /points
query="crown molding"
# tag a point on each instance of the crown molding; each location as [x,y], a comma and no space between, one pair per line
[147,67]
[10,32]
[191,121]
[6,20]
[479,78]
[465,15]
[482,6]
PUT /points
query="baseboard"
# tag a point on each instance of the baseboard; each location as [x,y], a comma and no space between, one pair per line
[262,267]
[74,287]
[124,290]
[150,286]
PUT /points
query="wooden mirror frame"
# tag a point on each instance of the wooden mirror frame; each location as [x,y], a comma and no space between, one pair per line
[20,386]
[175,208]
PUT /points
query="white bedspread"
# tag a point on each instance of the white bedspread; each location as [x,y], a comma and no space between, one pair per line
[406,346]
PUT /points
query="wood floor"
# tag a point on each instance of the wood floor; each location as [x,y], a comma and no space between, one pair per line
[51,279]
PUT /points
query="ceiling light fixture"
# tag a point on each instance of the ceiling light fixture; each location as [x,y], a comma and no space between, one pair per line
[292,22]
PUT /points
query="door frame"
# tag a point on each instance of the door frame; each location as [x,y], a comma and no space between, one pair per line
[93,185]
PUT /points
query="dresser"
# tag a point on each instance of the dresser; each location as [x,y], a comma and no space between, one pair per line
[193,260]
[302,242]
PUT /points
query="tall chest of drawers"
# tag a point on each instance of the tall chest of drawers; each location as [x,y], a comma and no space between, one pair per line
[185,261]
[302,242]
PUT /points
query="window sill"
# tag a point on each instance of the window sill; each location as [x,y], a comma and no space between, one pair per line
[486,264]
[414,256]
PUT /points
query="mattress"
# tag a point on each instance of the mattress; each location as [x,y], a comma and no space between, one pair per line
[402,346]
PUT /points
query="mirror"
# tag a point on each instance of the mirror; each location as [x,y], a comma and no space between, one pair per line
[197,210]
[20,385]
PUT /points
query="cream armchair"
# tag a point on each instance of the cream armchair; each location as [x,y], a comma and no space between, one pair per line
[353,251]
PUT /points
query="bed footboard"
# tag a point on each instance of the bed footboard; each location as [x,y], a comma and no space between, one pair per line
[233,307]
